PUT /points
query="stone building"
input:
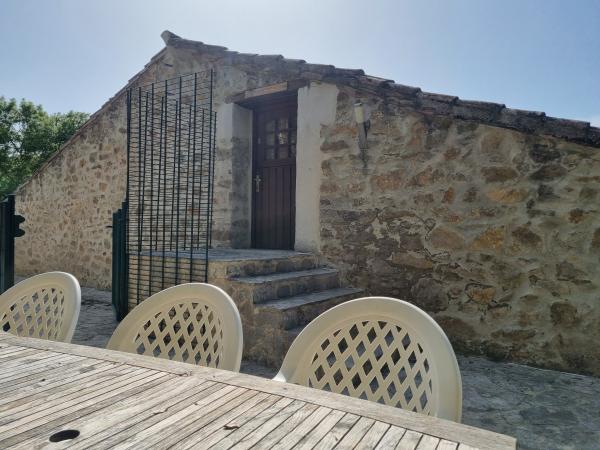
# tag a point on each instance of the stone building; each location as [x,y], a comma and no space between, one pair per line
[485,216]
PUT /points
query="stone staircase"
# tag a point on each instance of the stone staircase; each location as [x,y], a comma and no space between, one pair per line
[277,293]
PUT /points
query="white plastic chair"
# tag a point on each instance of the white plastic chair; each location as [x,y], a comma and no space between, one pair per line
[44,306]
[379,349]
[195,323]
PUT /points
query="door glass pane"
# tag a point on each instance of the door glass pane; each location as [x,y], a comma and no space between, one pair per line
[282,138]
[293,136]
[283,123]
[282,152]
[293,151]
[270,126]
[270,153]
[270,139]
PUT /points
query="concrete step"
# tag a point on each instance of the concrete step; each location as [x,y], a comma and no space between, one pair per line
[297,311]
[288,337]
[227,263]
[262,288]
[294,332]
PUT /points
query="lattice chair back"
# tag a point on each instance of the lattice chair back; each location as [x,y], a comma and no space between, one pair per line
[379,349]
[44,306]
[194,323]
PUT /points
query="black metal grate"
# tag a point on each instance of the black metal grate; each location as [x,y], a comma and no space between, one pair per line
[170,133]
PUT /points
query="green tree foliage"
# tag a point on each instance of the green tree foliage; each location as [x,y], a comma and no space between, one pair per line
[28,137]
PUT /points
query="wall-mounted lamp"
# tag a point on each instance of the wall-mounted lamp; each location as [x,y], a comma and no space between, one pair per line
[363,124]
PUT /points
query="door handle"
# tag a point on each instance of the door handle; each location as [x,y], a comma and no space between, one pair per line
[257,180]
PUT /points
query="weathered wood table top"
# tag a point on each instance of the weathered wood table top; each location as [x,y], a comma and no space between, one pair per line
[118,400]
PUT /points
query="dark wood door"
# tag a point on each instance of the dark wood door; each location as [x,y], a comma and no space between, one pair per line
[274,175]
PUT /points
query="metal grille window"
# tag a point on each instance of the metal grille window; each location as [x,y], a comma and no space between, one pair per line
[170,132]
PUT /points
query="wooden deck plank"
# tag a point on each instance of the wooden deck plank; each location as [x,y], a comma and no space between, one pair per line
[8,352]
[373,436]
[263,430]
[304,428]
[232,425]
[52,370]
[355,434]
[338,432]
[202,425]
[18,372]
[29,362]
[29,411]
[121,414]
[69,373]
[39,373]
[35,424]
[212,433]
[415,424]
[98,382]
[311,440]
[47,429]
[252,424]
[55,422]
[44,389]
[428,443]
[155,432]
[6,346]
[79,388]
[113,435]
[447,445]
[16,357]
[409,441]
[391,438]
[289,424]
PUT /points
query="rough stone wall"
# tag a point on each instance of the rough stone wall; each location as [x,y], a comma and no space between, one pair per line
[69,204]
[496,233]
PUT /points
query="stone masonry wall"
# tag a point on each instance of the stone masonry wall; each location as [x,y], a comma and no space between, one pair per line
[496,233]
[69,204]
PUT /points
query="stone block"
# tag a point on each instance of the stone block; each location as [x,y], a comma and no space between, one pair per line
[508,195]
[564,314]
[442,237]
[498,174]
[480,293]
[490,239]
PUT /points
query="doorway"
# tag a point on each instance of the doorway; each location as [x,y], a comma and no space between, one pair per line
[274,174]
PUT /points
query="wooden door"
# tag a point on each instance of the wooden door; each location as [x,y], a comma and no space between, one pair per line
[274,175]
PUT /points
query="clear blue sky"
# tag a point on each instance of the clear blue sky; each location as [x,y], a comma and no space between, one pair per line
[542,55]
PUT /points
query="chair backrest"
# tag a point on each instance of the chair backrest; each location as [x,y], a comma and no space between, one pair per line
[379,349]
[44,306]
[195,323]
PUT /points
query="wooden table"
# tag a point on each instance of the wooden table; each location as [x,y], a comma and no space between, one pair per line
[115,399]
